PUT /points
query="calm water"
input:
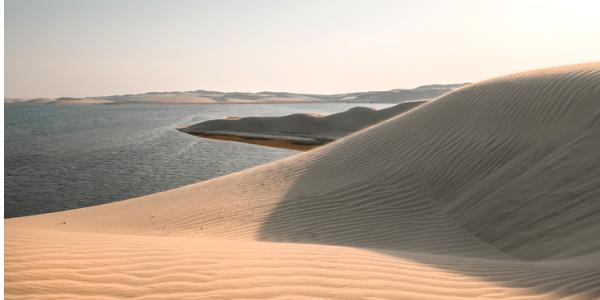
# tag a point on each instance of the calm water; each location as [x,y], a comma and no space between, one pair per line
[63,157]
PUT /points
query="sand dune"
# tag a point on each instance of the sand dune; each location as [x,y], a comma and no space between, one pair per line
[490,191]
[296,131]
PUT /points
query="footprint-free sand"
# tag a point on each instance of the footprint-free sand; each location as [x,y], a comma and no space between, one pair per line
[491,191]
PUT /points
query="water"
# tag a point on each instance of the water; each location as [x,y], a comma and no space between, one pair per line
[63,157]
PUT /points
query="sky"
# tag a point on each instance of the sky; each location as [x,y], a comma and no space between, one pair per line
[79,48]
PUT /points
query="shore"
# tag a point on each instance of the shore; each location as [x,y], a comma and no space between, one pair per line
[285,142]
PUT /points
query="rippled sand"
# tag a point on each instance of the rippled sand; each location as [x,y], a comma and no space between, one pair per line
[488,192]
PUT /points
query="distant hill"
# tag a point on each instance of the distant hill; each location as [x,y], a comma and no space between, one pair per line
[212,97]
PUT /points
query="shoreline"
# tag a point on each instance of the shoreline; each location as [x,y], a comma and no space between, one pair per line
[267,141]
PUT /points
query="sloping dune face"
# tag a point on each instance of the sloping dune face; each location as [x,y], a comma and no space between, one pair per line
[512,161]
[490,191]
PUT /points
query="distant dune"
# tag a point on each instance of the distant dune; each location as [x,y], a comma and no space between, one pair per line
[297,131]
[488,192]
[28,101]
[212,97]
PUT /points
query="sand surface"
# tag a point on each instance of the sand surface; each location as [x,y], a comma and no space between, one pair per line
[488,192]
[297,131]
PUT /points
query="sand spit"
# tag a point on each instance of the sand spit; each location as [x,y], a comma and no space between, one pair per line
[297,131]
[488,192]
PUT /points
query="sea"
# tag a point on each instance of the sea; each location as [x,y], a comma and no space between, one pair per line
[65,157]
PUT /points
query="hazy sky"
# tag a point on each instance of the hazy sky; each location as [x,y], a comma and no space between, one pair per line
[92,48]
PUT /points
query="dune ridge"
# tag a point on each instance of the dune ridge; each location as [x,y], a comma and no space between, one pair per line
[487,192]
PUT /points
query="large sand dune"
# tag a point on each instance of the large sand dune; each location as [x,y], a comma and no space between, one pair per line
[490,191]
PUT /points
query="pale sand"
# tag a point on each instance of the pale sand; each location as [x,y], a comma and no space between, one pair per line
[488,192]
[297,131]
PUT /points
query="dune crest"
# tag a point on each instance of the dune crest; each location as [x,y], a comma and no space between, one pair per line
[490,191]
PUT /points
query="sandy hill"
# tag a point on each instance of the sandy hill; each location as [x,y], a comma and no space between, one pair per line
[214,97]
[300,131]
[488,192]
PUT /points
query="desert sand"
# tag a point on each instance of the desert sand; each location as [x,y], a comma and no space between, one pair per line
[488,192]
[297,131]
